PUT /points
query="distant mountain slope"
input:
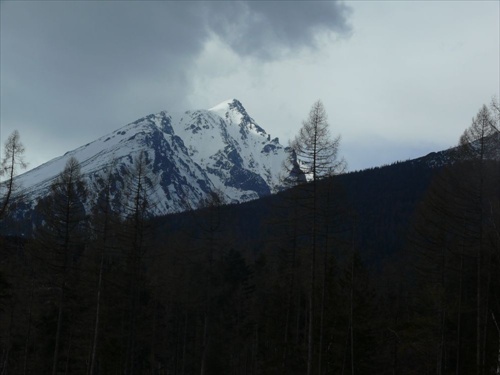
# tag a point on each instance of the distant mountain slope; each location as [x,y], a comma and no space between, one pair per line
[191,154]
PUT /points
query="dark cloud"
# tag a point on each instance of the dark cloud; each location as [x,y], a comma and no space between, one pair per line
[89,47]
[266,29]
[93,44]
[75,65]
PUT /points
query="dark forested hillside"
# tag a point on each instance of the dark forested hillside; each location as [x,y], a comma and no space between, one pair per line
[383,201]
[405,279]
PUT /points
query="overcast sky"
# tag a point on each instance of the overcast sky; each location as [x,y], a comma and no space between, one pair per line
[398,79]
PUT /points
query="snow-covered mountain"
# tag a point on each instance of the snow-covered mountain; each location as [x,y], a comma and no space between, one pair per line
[190,154]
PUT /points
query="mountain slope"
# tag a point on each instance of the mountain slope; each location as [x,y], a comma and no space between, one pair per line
[190,154]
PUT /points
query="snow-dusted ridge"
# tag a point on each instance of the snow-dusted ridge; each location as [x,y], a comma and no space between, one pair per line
[191,153]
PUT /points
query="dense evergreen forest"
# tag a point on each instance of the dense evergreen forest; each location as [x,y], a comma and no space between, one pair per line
[391,270]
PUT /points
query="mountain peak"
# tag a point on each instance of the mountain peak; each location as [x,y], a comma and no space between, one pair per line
[227,105]
[191,154]
[234,111]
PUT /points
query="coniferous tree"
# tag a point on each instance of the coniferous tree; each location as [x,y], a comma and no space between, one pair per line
[317,155]
[478,146]
[455,229]
[12,160]
[60,243]
[104,224]
[139,185]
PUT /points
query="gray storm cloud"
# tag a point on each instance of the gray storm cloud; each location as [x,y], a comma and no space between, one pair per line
[263,29]
[88,45]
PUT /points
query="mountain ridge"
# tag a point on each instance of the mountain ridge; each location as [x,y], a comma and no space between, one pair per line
[193,153]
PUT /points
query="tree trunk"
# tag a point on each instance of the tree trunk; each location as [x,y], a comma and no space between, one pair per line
[497,372]
[290,294]
[459,318]
[58,330]
[323,291]
[322,317]
[9,341]
[297,323]
[479,261]
[97,312]
[184,344]
[442,319]
[312,286]
[66,368]
[351,315]
[28,334]
[486,308]
[206,317]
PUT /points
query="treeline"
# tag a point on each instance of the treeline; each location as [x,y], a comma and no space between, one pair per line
[112,291]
